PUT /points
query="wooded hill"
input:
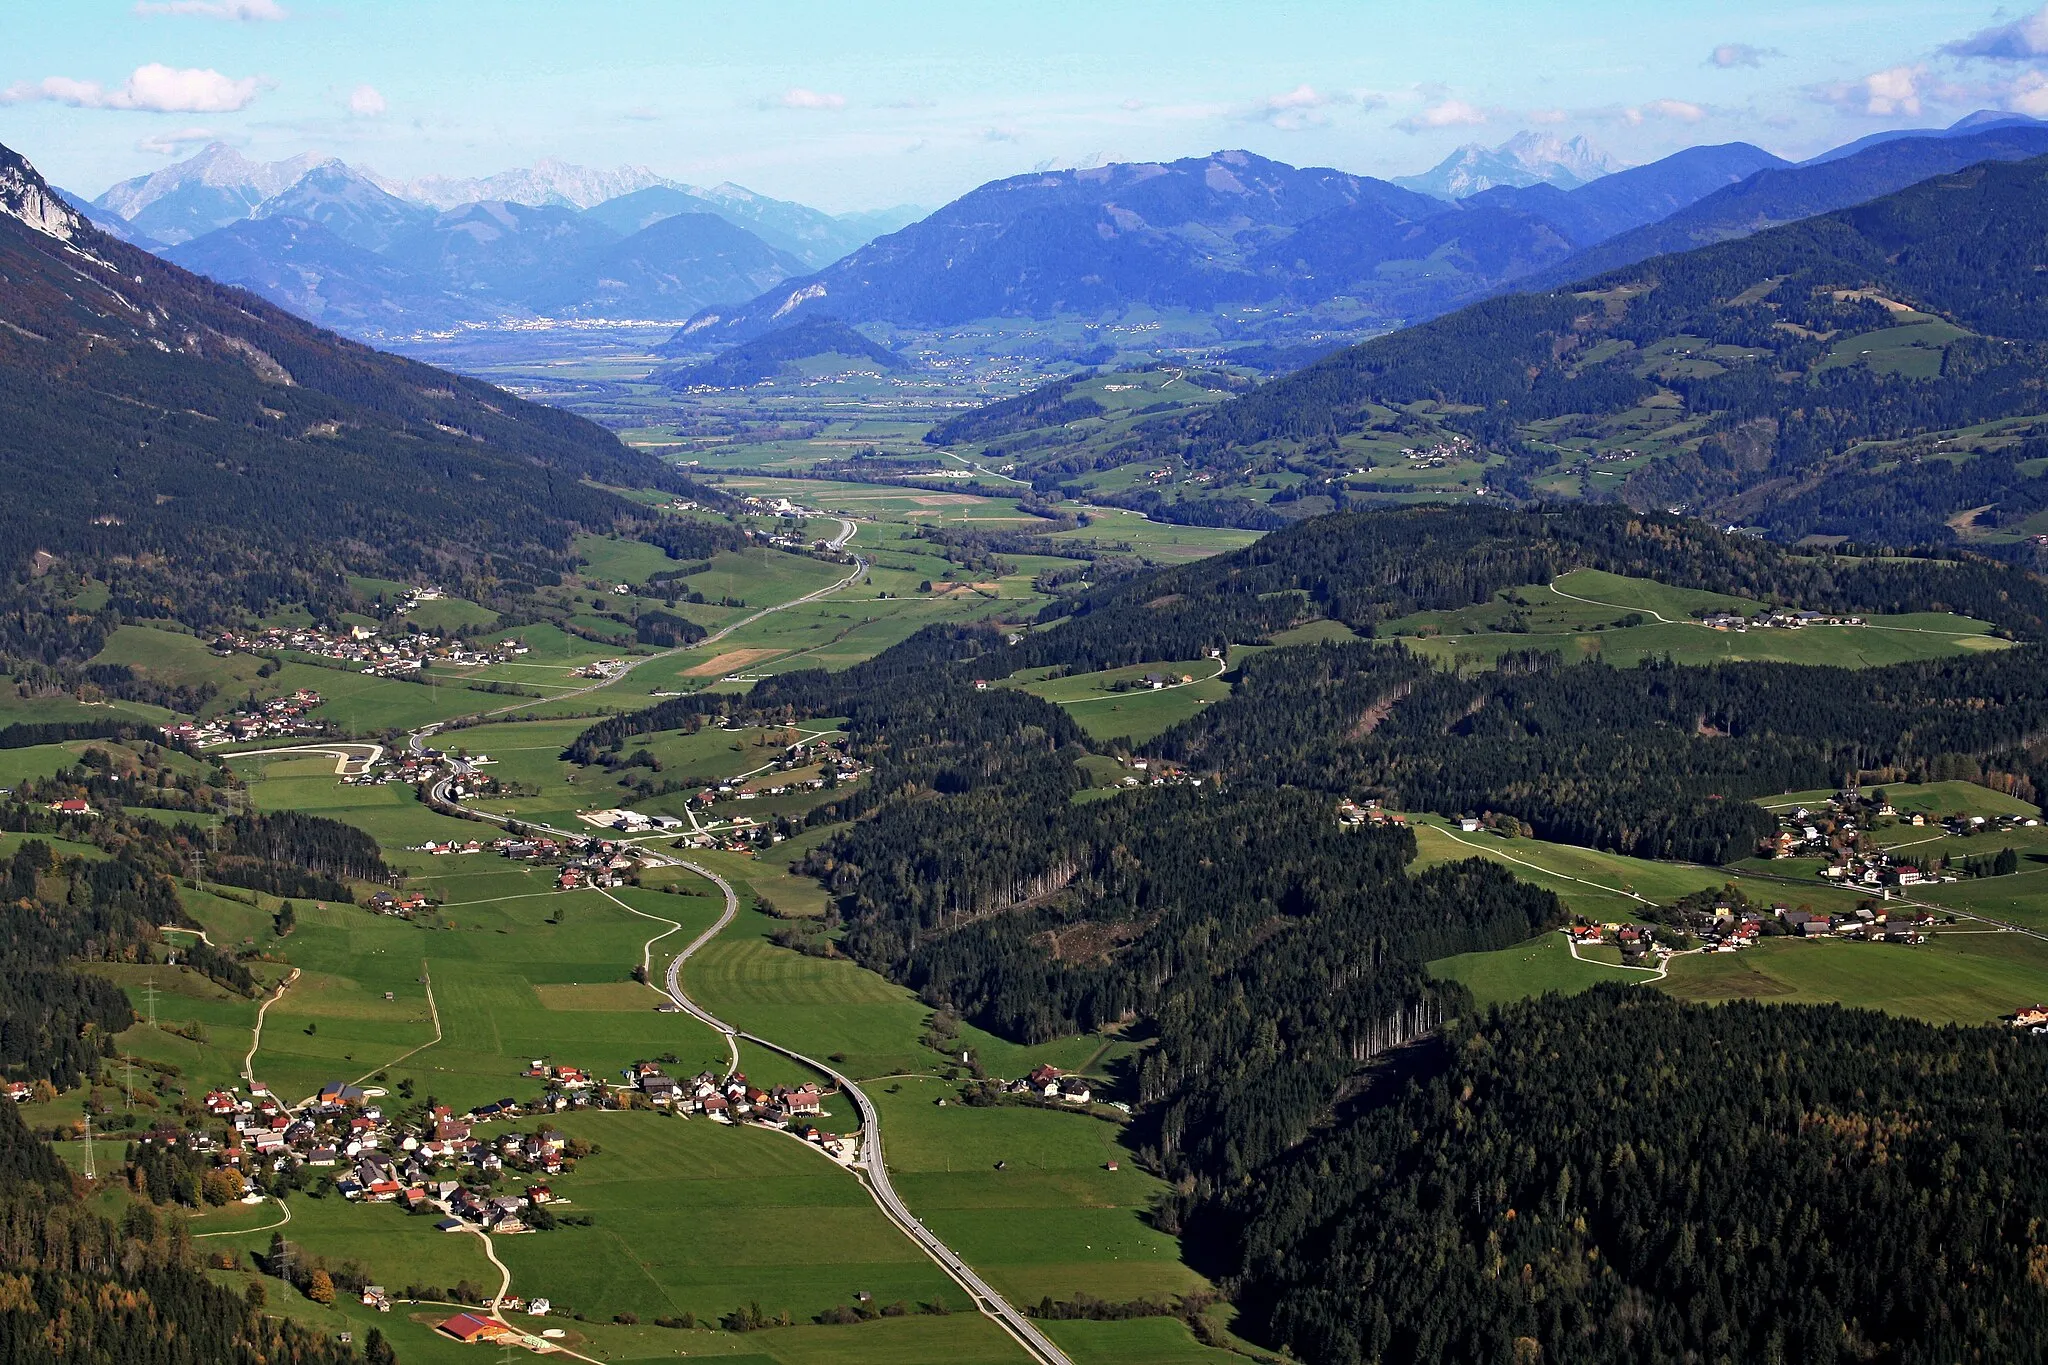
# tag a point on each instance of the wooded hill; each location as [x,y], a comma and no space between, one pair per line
[76,1287]
[1273,955]
[1793,380]
[206,453]
[1616,1177]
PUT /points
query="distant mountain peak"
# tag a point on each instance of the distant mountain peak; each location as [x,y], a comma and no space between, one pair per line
[215,166]
[1527,158]
[547,182]
[25,195]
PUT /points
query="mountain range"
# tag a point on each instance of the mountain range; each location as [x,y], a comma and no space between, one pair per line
[376,257]
[1871,372]
[1236,231]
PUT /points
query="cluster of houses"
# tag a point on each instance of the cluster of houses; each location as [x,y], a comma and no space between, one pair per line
[584,863]
[1835,832]
[343,1130]
[1872,924]
[398,904]
[2032,1018]
[730,1099]
[1775,620]
[1728,928]
[827,756]
[1444,452]
[1050,1083]
[745,836]
[1157,772]
[279,716]
[603,670]
[366,648]
[1353,814]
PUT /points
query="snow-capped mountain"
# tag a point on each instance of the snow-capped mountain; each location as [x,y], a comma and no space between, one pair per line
[547,181]
[207,191]
[1525,159]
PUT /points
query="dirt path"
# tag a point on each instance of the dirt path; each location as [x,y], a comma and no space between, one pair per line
[249,1060]
[284,1208]
[1561,876]
[1656,973]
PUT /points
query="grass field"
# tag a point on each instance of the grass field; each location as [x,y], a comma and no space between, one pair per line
[1590,614]
[1138,714]
[1961,976]
[1543,964]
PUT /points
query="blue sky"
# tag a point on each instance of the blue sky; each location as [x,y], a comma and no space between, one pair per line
[854,105]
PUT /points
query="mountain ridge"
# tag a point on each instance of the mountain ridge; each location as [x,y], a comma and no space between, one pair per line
[221,454]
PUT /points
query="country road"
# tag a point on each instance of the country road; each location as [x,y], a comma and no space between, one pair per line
[860,568]
[872,1165]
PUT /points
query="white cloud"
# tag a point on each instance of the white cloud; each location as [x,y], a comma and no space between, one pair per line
[1447,113]
[365,101]
[171,144]
[1882,94]
[2023,40]
[1547,116]
[1134,104]
[796,97]
[1307,107]
[1678,111]
[1300,97]
[2029,94]
[250,10]
[1003,134]
[1731,55]
[155,87]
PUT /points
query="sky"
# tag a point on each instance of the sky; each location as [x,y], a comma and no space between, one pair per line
[859,104]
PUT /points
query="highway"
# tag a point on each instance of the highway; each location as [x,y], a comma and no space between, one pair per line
[872,1168]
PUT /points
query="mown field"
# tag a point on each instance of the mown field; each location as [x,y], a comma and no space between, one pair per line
[1118,703]
[1589,614]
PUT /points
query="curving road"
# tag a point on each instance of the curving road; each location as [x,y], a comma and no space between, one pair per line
[873,1169]
[860,568]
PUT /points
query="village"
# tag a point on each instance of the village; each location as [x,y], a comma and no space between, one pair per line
[583,864]
[441,1164]
[366,648]
[1839,830]
[278,717]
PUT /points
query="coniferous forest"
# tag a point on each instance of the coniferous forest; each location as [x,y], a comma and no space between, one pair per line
[1377,1171]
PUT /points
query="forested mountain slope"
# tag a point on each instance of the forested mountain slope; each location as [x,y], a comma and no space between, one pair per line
[194,446]
[1780,380]
[1785,194]
[1272,957]
[1616,1177]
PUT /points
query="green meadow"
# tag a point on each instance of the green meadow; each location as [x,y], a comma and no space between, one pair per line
[1138,712]
[1591,614]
